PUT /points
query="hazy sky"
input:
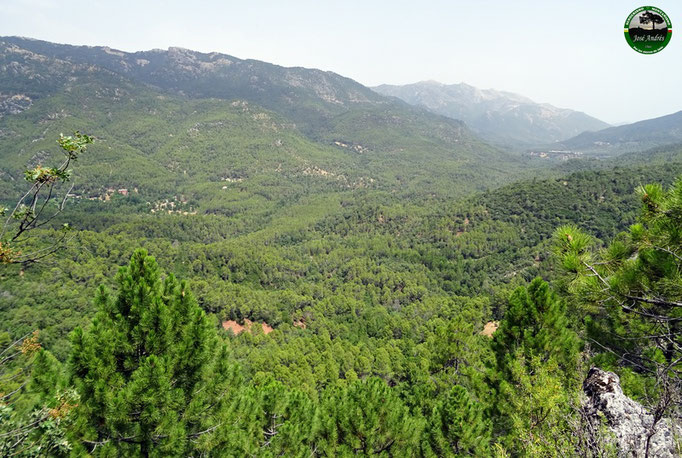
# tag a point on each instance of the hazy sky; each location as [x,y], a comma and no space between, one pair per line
[570,54]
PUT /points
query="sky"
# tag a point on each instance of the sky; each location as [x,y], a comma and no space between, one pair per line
[570,54]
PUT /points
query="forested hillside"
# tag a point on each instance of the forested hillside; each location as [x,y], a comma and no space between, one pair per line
[262,261]
[187,122]
[363,286]
[629,138]
[471,247]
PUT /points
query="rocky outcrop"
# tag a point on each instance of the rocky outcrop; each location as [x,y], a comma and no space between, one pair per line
[632,425]
[14,104]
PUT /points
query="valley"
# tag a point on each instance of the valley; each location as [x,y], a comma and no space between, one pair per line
[316,269]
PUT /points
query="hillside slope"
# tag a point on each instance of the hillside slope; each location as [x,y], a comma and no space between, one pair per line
[184,118]
[638,136]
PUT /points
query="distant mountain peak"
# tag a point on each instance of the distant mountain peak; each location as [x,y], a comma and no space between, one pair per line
[431,83]
[498,116]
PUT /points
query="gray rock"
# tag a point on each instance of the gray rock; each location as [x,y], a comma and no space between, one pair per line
[631,424]
[14,104]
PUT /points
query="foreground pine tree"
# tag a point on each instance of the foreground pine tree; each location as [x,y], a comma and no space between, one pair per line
[150,371]
[536,324]
[536,380]
[631,292]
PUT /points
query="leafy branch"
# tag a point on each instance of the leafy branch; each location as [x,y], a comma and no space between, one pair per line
[32,209]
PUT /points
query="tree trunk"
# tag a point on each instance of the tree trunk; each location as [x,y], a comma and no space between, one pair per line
[144,449]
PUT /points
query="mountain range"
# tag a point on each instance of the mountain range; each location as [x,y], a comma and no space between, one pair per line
[222,129]
[638,136]
[324,277]
[500,117]
[192,119]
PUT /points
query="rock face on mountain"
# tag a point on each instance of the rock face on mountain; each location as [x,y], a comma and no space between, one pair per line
[632,425]
[498,116]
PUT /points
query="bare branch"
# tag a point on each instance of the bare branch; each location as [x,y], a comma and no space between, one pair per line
[653,301]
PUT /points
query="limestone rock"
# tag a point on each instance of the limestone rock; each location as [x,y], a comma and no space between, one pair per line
[631,424]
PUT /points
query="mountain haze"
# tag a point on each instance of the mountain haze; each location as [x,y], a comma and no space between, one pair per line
[501,117]
[650,133]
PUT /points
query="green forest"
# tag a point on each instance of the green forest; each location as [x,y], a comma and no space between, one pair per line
[375,310]
[198,275]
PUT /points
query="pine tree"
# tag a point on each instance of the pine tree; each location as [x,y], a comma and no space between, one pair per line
[151,374]
[36,415]
[457,427]
[45,375]
[631,291]
[367,418]
[536,378]
[536,324]
[271,420]
[537,409]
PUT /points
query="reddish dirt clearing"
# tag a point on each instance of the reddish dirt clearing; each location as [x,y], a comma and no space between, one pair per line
[238,328]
